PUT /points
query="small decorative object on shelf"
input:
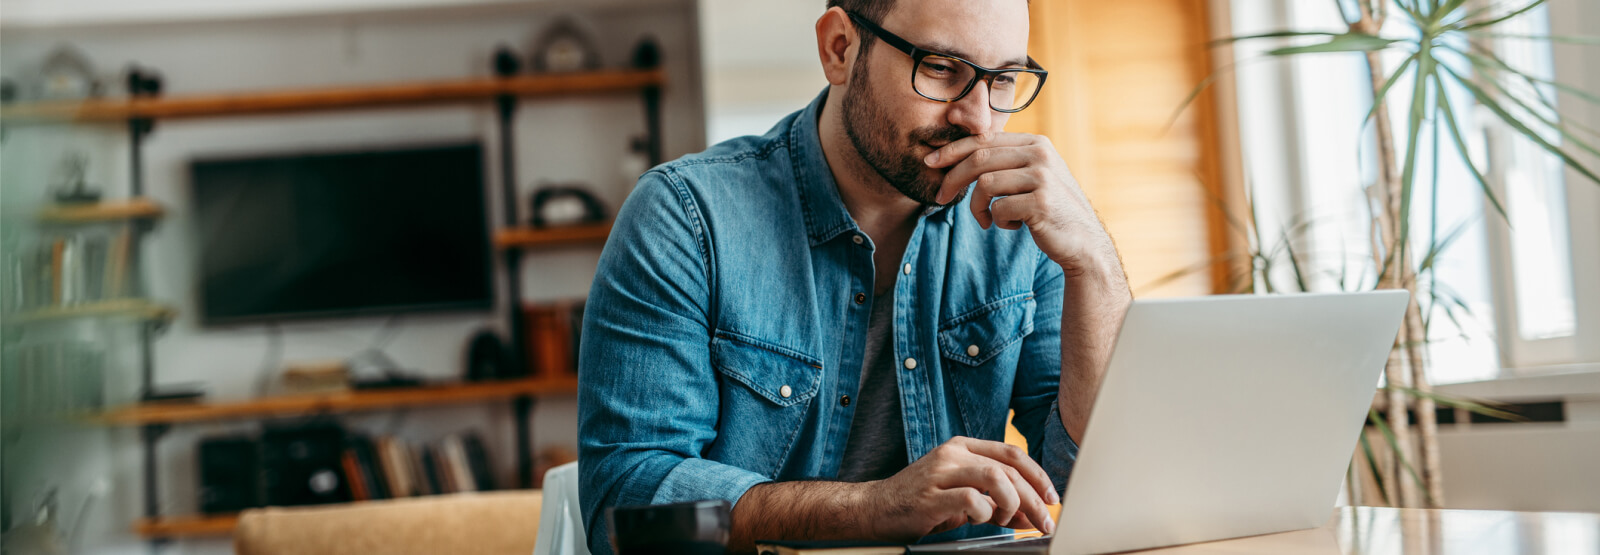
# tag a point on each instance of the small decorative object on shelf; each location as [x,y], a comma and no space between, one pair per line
[564,205]
[507,64]
[326,376]
[373,369]
[553,337]
[72,187]
[489,359]
[67,75]
[143,82]
[647,53]
[563,47]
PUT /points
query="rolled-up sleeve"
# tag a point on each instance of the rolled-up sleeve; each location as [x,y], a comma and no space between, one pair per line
[1034,394]
[648,396]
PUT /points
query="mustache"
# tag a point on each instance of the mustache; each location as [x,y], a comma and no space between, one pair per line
[939,134]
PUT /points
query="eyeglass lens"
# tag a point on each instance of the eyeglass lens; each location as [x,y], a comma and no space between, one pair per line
[942,78]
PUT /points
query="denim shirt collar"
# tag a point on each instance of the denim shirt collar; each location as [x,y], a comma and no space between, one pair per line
[821,206]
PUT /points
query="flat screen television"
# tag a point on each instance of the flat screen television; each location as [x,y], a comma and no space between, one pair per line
[341,234]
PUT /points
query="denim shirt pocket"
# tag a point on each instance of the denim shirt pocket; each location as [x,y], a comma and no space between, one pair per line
[765,392]
[981,349]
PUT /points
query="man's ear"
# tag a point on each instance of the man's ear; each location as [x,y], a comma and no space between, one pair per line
[837,42]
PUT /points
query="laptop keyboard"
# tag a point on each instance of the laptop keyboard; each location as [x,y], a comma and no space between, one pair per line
[1037,541]
[1019,544]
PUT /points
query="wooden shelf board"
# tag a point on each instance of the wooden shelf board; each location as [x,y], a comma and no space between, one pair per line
[532,238]
[347,401]
[394,94]
[137,308]
[131,209]
[186,526]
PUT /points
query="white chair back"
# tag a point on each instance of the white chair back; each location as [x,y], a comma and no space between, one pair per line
[561,525]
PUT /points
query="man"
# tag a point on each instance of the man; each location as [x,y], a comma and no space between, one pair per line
[826,327]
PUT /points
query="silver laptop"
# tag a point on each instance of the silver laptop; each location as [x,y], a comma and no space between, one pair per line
[1220,417]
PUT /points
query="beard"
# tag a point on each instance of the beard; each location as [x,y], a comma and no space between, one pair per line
[894,158]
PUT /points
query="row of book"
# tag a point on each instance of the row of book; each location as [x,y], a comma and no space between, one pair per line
[387,467]
[70,270]
[47,380]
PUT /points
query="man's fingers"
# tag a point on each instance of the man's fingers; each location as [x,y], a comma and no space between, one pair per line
[1015,457]
[1012,213]
[999,184]
[991,478]
[981,162]
[977,507]
[959,149]
[1032,511]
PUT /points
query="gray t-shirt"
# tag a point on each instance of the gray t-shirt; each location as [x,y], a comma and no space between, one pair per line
[877,445]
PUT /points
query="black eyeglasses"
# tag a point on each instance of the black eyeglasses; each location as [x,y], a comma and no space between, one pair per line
[946,78]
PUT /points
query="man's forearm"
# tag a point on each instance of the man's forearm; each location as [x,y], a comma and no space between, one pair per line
[1094,302]
[799,511]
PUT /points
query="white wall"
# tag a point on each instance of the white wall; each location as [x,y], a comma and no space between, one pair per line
[573,139]
[761,63]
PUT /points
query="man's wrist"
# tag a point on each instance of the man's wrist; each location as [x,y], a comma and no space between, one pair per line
[860,499]
[1097,275]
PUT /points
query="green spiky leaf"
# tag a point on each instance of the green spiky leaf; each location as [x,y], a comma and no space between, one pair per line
[1490,102]
[1493,21]
[1462,148]
[1345,42]
[1272,35]
[1378,97]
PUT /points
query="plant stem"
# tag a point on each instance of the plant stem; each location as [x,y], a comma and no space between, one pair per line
[1428,427]
[1388,216]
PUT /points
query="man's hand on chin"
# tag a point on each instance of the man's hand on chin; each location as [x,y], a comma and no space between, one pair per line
[1030,185]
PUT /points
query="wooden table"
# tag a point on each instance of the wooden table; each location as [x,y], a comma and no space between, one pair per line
[1387,531]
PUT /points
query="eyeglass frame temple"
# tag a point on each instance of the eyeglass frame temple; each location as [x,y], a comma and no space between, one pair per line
[979,72]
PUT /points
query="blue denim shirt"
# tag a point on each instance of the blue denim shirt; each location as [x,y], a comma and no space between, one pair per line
[722,330]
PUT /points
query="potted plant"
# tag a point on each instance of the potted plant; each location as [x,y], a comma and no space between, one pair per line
[1445,50]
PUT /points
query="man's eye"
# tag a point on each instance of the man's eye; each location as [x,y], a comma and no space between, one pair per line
[937,68]
[1005,81]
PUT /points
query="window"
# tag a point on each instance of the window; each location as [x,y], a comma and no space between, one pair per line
[1517,298]
[1548,255]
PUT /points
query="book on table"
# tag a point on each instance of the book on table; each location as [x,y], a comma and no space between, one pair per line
[829,547]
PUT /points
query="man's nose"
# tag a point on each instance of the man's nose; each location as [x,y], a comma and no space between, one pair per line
[972,112]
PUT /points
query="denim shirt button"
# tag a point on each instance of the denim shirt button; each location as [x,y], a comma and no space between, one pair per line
[972,350]
[861,298]
[856,239]
[911,364]
[785,392]
[907,269]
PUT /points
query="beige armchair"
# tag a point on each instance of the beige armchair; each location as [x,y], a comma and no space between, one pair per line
[490,523]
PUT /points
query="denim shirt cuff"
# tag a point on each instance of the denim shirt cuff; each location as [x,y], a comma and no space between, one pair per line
[700,479]
[1060,451]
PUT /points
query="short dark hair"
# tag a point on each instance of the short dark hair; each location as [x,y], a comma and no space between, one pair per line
[873,10]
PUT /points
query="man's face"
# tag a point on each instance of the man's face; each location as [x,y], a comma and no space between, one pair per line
[892,127]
